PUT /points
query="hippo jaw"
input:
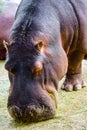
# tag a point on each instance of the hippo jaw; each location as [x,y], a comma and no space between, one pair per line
[33,112]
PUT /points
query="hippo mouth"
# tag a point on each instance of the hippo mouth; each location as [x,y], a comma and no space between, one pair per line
[32,113]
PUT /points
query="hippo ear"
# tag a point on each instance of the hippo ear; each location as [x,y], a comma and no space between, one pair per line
[5,45]
[39,45]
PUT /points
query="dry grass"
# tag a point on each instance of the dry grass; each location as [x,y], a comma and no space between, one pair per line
[71,114]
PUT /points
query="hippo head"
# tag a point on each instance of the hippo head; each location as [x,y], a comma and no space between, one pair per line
[33,81]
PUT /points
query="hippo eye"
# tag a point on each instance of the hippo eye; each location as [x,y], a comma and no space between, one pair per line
[39,46]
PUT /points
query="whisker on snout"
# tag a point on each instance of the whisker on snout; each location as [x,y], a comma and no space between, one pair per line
[31,113]
[15,112]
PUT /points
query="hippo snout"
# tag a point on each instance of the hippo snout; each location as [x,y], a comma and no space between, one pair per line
[31,113]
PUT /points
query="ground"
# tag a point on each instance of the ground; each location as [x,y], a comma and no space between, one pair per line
[71,113]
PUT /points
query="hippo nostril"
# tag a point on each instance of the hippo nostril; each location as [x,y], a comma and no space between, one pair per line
[15,112]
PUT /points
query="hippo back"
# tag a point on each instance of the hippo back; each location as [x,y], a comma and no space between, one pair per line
[7,15]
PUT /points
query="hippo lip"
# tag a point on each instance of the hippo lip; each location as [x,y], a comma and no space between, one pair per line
[53,94]
[31,114]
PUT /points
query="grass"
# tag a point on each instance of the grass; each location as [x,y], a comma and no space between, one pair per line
[71,113]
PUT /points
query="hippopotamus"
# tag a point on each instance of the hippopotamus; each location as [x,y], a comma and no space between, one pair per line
[48,40]
[7,15]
